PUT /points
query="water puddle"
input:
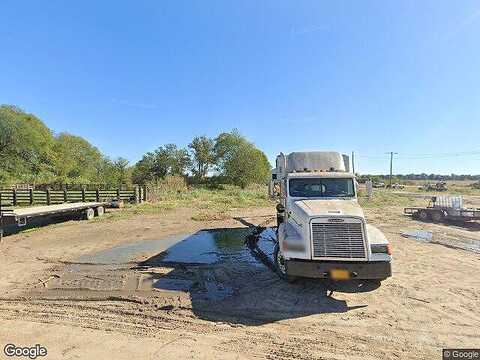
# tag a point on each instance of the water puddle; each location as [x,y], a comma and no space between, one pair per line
[208,264]
[209,247]
[421,235]
[131,252]
[173,284]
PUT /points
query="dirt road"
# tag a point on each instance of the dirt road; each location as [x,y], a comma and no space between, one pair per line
[129,289]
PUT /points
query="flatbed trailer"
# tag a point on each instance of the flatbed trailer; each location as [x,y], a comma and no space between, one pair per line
[439,214]
[21,216]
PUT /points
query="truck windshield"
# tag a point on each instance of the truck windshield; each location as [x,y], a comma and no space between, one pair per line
[319,187]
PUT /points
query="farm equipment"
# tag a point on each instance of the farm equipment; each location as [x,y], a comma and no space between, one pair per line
[396,186]
[441,208]
[439,186]
[322,232]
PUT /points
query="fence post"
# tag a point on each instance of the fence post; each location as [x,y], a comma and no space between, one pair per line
[65,195]
[14,196]
[118,194]
[48,197]
[83,194]
[31,196]
[97,194]
[145,193]
[136,194]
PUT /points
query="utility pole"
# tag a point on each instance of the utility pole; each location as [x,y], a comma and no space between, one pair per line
[391,166]
[353,162]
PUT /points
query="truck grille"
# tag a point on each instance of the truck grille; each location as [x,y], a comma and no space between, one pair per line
[338,240]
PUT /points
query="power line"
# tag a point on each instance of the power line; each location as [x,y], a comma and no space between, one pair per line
[424,155]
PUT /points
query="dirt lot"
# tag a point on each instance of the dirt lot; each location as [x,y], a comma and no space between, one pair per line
[109,290]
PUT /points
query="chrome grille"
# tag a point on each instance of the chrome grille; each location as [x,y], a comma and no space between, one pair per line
[338,240]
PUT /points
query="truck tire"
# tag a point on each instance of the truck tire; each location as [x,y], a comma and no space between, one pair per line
[438,216]
[280,265]
[99,211]
[89,214]
[423,215]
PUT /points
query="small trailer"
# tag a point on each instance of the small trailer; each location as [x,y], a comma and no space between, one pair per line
[441,208]
[21,216]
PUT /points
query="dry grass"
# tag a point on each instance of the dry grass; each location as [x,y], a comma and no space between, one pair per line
[211,204]
[383,198]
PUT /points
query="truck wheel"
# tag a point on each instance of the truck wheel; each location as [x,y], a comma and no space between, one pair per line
[423,215]
[100,211]
[89,214]
[281,265]
[438,216]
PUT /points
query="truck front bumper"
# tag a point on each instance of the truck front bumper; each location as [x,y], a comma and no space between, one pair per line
[322,269]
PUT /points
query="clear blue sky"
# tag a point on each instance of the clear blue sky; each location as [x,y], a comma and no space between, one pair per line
[368,76]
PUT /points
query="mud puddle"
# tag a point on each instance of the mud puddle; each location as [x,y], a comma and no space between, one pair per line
[208,264]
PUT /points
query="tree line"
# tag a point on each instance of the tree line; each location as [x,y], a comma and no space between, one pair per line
[411,177]
[229,158]
[31,153]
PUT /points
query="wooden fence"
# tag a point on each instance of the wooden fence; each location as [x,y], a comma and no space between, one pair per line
[14,197]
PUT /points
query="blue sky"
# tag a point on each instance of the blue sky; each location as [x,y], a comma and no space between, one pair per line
[363,76]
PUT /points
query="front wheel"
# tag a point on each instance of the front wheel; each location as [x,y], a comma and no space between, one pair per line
[423,215]
[281,264]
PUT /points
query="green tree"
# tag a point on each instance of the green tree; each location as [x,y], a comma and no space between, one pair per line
[26,147]
[122,170]
[239,161]
[115,173]
[77,161]
[203,155]
[166,160]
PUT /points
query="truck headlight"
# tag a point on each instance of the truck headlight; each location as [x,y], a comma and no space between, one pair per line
[381,249]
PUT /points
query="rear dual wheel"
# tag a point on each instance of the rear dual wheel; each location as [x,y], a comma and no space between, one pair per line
[90,213]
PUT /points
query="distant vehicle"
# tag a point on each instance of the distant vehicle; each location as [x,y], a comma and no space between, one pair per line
[322,231]
[378,185]
[442,208]
[439,186]
[396,186]
[476,185]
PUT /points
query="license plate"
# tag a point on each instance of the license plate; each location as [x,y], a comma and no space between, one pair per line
[339,274]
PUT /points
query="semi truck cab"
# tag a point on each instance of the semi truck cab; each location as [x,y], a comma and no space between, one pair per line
[322,232]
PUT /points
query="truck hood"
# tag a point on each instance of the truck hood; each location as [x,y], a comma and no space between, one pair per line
[330,207]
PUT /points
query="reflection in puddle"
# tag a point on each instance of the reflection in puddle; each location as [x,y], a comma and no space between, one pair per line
[213,246]
[203,247]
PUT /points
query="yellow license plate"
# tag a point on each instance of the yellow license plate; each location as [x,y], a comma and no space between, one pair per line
[339,274]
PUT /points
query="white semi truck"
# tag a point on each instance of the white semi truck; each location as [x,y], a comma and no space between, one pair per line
[322,232]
